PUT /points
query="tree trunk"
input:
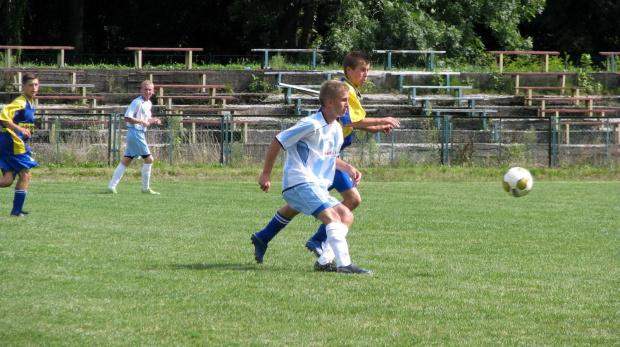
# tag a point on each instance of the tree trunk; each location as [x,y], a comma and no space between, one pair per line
[75,27]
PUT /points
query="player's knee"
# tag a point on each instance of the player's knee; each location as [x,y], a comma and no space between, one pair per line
[351,199]
[6,182]
[24,176]
[355,202]
[346,216]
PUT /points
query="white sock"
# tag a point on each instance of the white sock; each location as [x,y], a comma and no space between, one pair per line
[336,237]
[328,254]
[146,176]
[118,174]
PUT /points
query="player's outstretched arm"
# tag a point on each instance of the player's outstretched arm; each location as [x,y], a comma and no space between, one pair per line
[367,122]
[16,128]
[355,175]
[264,180]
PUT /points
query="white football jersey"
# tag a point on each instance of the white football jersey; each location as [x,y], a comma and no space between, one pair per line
[312,146]
[139,109]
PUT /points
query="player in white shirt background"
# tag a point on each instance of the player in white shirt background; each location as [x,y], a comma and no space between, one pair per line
[138,119]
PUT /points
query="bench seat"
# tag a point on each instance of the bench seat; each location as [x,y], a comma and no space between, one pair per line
[544,57]
[203,88]
[138,53]
[590,112]
[588,99]
[60,56]
[205,109]
[72,86]
[168,98]
[412,90]
[91,99]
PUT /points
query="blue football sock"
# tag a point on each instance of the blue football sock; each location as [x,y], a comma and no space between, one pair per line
[277,223]
[18,201]
[320,235]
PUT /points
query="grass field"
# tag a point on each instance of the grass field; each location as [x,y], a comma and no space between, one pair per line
[455,264]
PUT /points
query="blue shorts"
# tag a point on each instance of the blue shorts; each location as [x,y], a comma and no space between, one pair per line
[342,182]
[17,163]
[136,144]
[309,199]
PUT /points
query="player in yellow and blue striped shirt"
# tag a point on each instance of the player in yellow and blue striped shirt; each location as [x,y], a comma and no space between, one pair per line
[16,127]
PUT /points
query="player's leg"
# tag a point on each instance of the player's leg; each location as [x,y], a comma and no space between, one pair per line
[21,189]
[119,172]
[261,238]
[337,221]
[7,178]
[351,199]
[146,174]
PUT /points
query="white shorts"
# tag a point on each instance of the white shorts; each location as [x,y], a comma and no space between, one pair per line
[309,198]
[136,144]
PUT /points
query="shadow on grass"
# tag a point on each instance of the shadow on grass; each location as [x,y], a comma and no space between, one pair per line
[220,266]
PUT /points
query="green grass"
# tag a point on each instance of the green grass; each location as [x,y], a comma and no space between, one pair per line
[456,264]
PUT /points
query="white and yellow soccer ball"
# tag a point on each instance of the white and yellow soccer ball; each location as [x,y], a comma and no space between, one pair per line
[517,181]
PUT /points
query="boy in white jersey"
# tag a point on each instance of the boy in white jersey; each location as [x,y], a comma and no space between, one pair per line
[356,67]
[138,118]
[312,148]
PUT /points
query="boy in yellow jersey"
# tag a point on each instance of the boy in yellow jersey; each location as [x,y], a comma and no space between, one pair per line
[16,127]
[356,67]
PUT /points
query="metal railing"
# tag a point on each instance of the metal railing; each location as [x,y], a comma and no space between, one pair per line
[98,139]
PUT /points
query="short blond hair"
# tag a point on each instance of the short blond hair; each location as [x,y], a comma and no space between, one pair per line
[146,83]
[331,90]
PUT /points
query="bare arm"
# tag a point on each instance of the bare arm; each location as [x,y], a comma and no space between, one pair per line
[264,180]
[366,122]
[139,121]
[355,175]
[386,129]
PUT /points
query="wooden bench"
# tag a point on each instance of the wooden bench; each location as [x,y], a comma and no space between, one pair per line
[483,113]
[279,74]
[575,101]
[267,50]
[202,74]
[220,110]
[613,125]
[60,58]
[544,57]
[51,110]
[589,112]
[574,90]
[561,77]
[72,86]
[427,100]
[611,61]
[429,58]
[92,100]
[212,88]
[72,74]
[138,53]
[401,76]
[193,122]
[412,90]
[168,99]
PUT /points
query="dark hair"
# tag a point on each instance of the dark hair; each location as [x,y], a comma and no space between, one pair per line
[354,59]
[28,76]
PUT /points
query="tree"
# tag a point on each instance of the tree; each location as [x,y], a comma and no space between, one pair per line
[12,14]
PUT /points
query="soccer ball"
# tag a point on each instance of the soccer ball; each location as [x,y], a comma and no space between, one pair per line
[517,182]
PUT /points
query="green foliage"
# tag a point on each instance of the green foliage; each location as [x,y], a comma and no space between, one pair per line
[258,85]
[278,62]
[500,84]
